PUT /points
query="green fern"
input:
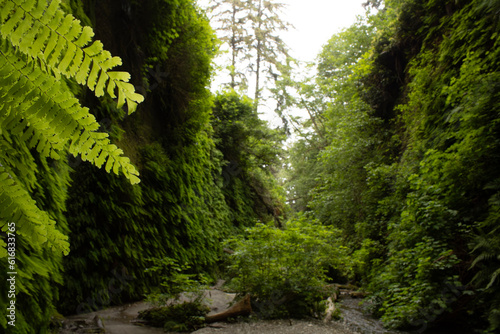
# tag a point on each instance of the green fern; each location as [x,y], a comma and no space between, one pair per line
[487,246]
[41,120]
[32,224]
[41,30]
[53,114]
[38,44]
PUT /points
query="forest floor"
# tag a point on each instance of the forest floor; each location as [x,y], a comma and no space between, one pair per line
[277,327]
[120,320]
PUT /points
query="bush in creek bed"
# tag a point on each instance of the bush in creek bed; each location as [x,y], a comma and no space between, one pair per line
[284,270]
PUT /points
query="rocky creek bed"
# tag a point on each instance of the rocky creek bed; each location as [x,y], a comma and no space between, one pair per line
[122,320]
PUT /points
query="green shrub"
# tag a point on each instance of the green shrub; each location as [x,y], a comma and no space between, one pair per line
[174,282]
[184,317]
[169,313]
[285,269]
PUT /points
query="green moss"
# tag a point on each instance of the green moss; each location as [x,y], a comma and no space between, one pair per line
[184,317]
[178,209]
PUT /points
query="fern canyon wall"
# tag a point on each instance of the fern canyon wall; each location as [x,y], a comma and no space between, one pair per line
[177,210]
[405,155]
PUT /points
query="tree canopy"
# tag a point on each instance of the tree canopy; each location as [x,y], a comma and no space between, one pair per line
[251,30]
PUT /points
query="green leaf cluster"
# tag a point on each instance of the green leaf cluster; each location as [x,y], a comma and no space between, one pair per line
[183,317]
[175,280]
[407,166]
[251,153]
[285,269]
[41,121]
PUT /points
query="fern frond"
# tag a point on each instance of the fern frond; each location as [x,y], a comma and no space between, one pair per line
[17,160]
[493,278]
[48,116]
[41,30]
[32,224]
[484,256]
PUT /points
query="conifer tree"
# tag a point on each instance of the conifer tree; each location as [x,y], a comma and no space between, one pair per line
[271,52]
[231,15]
[251,28]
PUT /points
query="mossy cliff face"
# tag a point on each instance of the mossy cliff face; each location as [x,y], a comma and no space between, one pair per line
[410,171]
[178,209]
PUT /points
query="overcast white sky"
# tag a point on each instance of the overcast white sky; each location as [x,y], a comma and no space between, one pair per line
[315,22]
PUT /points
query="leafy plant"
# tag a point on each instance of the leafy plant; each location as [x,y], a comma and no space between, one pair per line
[285,269]
[174,282]
[487,262]
[41,121]
[184,317]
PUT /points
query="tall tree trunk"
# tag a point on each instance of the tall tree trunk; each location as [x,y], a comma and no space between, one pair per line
[233,45]
[260,43]
[257,76]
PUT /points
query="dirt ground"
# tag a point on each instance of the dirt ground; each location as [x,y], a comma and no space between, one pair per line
[276,327]
[120,320]
[220,300]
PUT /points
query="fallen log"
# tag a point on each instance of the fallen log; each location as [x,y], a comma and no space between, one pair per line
[353,294]
[243,307]
[358,294]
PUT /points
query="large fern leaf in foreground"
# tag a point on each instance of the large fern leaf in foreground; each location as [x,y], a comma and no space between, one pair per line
[40,121]
[41,30]
[48,116]
[39,44]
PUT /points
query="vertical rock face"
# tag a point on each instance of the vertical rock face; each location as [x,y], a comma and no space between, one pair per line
[177,210]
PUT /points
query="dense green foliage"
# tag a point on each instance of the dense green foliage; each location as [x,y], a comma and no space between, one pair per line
[178,210]
[251,154]
[189,196]
[284,270]
[41,121]
[408,158]
[394,177]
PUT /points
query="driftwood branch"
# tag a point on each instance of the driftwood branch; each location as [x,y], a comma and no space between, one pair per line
[243,307]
